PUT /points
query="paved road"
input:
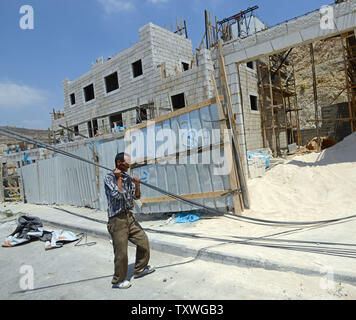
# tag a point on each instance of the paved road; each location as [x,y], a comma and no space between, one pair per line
[85,272]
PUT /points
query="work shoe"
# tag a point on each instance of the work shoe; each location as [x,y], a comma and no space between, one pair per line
[115,280]
[122,285]
[146,271]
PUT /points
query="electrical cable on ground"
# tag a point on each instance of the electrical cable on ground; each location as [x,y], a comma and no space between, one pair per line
[319,247]
[82,236]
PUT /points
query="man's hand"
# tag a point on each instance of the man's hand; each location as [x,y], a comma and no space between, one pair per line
[117,173]
[136,180]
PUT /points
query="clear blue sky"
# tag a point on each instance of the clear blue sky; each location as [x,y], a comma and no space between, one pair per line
[69,35]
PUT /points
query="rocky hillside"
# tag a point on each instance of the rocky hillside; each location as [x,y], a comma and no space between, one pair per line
[41,135]
[330,74]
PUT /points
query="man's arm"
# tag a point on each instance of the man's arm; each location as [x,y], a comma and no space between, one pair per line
[136,181]
[115,188]
[118,176]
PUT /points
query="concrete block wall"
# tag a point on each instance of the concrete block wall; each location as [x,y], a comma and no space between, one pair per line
[171,49]
[129,118]
[248,121]
[156,46]
[83,129]
[116,101]
[337,130]
[195,83]
[60,121]
[306,135]
[104,125]
[252,118]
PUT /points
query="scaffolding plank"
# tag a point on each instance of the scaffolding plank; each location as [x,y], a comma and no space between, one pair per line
[190,196]
[234,181]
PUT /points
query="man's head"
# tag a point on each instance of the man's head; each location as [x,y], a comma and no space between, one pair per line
[123,161]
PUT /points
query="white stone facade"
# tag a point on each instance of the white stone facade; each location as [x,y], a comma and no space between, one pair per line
[157,47]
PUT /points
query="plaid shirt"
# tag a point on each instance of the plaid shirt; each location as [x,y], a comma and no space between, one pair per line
[119,201]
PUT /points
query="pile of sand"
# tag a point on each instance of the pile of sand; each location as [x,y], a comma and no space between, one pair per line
[345,151]
[314,186]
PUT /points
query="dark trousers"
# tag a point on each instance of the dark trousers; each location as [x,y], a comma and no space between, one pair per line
[124,228]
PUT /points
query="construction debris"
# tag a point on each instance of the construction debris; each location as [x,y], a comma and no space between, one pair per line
[31,228]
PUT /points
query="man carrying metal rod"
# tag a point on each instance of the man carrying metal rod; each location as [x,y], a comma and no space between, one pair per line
[121,190]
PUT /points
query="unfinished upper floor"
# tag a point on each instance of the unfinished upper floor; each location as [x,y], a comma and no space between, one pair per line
[131,80]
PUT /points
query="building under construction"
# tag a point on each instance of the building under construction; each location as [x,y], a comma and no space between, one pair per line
[241,78]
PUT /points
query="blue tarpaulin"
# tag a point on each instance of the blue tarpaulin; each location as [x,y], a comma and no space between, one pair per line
[121,128]
[184,217]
